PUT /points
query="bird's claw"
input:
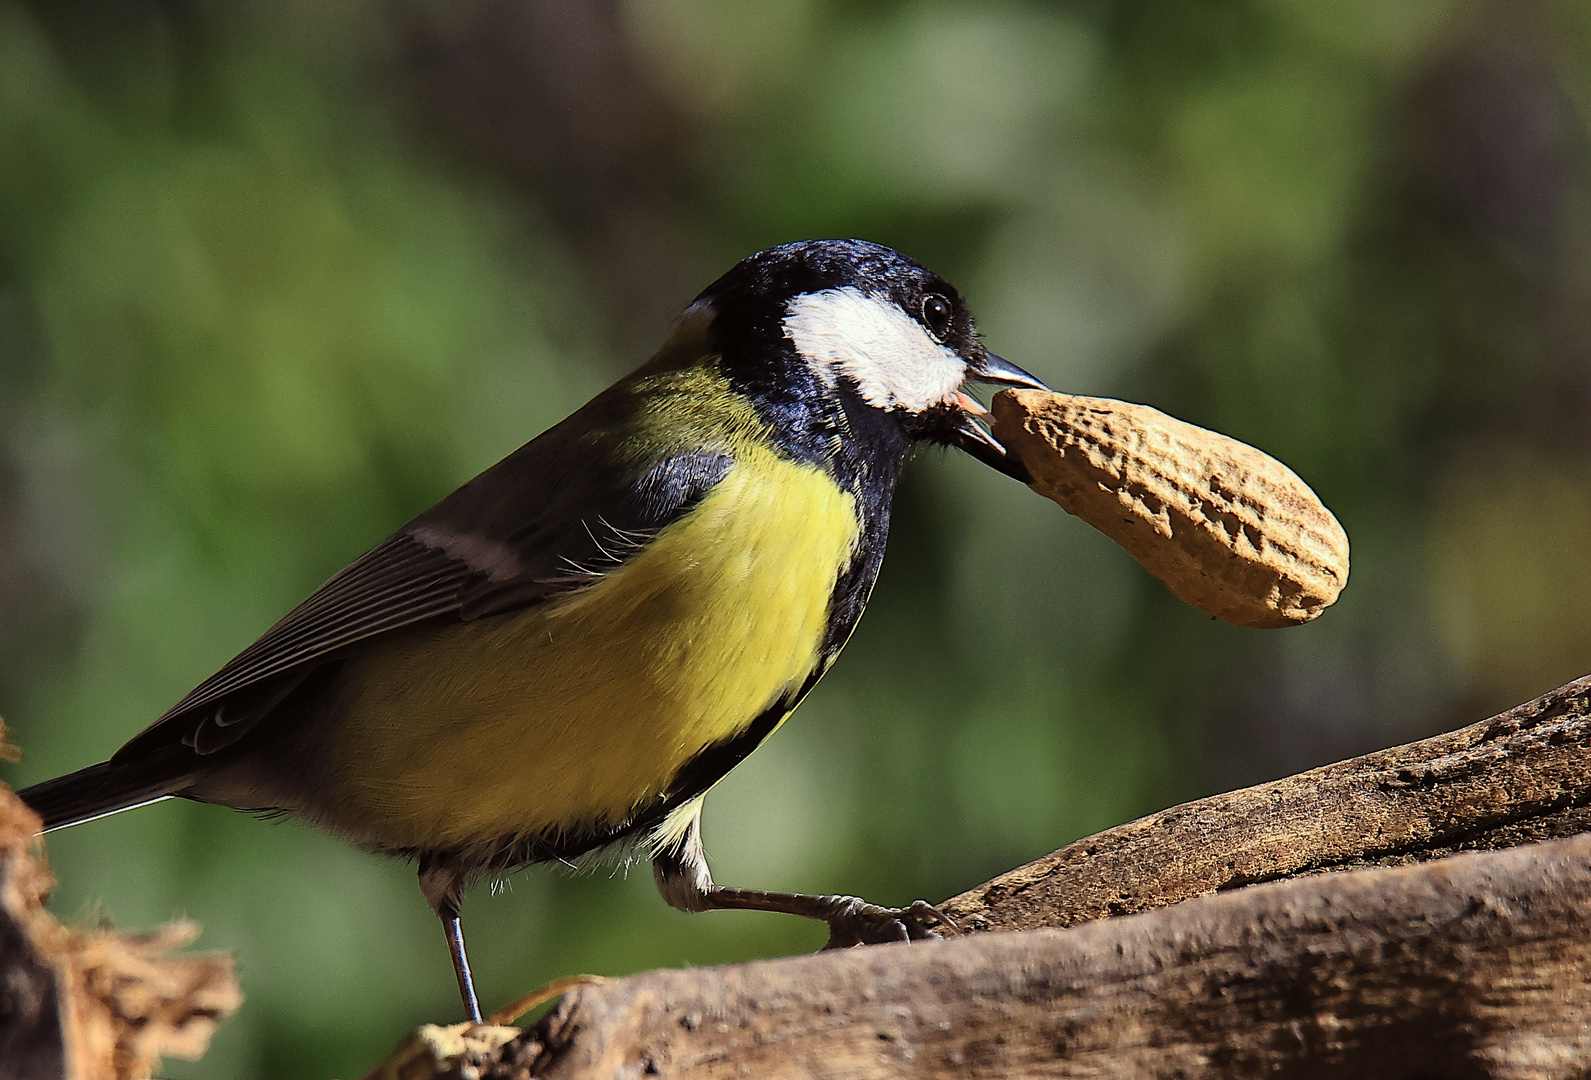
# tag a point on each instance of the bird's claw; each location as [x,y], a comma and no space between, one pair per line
[856,922]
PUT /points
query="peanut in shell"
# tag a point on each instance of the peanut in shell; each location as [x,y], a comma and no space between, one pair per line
[1227,528]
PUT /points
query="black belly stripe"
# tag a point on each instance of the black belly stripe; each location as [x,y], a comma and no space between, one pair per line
[713,763]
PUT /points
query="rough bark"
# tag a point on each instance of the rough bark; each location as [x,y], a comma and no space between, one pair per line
[1475,966]
[32,1043]
[92,1003]
[1522,776]
[1472,965]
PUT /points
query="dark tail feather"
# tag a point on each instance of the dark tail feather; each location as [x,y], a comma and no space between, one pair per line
[104,789]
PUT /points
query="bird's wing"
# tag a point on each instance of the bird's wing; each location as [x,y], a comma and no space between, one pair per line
[552,517]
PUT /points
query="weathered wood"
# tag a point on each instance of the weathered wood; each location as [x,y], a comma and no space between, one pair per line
[32,1043]
[1476,966]
[92,1003]
[1522,776]
[1471,965]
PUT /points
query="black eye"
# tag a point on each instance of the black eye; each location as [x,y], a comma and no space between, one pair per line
[936,316]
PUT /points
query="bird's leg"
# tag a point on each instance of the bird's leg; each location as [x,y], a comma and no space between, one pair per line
[443,886]
[685,883]
[461,963]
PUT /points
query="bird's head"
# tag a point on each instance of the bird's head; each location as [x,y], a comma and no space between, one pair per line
[856,321]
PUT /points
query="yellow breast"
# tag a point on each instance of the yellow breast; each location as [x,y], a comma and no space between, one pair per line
[579,711]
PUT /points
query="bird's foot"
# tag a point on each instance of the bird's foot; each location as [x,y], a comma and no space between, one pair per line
[856,922]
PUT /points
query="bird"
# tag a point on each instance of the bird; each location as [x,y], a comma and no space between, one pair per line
[565,654]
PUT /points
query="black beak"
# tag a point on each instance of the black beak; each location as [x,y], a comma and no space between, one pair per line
[1002,372]
[970,434]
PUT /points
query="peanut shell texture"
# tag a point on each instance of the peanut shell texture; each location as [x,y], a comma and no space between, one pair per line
[1227,528]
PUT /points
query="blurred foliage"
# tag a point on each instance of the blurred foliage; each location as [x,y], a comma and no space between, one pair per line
[274,277]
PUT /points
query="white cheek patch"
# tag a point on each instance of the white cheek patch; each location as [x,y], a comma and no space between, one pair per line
[893,360]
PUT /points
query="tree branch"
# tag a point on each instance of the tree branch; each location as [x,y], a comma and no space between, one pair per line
[1473,965]
[91,1003]
[1522,776]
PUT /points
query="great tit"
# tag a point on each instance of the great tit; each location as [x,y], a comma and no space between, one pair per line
[569,651]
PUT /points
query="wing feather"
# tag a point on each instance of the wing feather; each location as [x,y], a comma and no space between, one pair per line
[501,543]
[397,583]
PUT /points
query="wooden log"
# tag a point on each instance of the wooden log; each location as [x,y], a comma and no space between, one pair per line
[93,1003]
[1475,966]
[1521,776]
[32,1041]
[1469,965]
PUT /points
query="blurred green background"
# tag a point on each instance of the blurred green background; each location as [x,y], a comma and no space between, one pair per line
[274,276]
